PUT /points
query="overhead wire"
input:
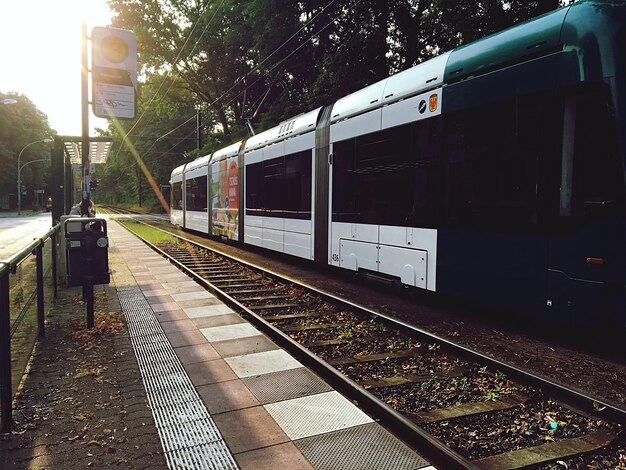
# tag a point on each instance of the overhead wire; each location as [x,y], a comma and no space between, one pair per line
[242,78]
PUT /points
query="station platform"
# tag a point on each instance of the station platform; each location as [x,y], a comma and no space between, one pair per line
[222,395]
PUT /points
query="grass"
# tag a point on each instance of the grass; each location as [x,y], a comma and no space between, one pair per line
[148,233]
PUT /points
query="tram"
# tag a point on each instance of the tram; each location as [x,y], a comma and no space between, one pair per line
[493,173]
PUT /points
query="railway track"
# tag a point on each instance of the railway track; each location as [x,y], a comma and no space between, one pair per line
[458,407]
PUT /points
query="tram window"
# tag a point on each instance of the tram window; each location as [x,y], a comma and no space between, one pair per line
[177,196]
[383,172]
[254,187]
[280,187]
[388,177]
[425,183]
[273,190]
[492,161]
[297,184]
[196,193]
[597,174]
[344,181]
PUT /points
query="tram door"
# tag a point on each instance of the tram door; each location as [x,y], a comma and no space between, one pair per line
[586,257]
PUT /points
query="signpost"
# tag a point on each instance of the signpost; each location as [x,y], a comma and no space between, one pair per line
[114,72]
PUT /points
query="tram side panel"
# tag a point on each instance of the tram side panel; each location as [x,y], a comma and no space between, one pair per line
[278,192]
[381,185]
[176,196]
[224,198]
[196,196]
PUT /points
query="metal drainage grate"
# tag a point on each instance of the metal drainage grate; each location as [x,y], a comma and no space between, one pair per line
[188,434]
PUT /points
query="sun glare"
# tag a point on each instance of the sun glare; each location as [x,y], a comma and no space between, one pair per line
[40,57]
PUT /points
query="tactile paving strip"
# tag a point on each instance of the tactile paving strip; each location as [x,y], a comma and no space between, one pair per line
[284,385]
[316,414]
[189,437]
[366,447]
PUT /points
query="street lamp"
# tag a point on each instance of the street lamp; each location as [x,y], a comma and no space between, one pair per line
[19,170]
[8,101]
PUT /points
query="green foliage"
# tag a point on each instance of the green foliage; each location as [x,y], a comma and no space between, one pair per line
[22,123]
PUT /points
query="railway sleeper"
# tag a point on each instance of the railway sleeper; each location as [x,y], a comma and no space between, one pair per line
[317,326]
[338,342]
[273,306]
[215,272]
[206,264]
[265,297]
[243,282]
[293,316]
[219,277]
[410,378]
[373,357]
[468,409]
[544,453]
[225,287]
[252,291]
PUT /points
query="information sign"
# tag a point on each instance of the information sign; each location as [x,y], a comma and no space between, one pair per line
[114,72]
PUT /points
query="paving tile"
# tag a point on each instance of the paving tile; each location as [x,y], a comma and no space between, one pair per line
[285,385]
[137,268]
[178,325]
[199,303]
[193,296]
[209,372]
[223,333]
[279,457]
[169,268]
[149,259]
[179,284]
[262,363]
[218,320]
[171,277]
[239,347]
[149,285]
[196,353]
[154,292]
[185,288]
[226,396]
[143,277]
[249,429]
[316,414]
[164,307]
[171,315]
[159,299]
[207,310]
[185,338]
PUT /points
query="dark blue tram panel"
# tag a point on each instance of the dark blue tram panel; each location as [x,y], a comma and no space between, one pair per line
[493,173]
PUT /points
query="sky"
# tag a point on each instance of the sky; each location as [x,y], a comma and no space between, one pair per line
[40,55]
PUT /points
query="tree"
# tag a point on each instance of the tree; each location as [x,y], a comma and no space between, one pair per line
[20,124]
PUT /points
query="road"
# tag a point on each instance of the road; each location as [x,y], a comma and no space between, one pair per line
[18,232]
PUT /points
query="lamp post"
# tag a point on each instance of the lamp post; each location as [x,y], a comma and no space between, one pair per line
[19,170]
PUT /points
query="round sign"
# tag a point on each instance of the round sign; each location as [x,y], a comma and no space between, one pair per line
[114,49]
[102,242]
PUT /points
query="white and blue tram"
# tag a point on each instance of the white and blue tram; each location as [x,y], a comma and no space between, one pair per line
[493,173]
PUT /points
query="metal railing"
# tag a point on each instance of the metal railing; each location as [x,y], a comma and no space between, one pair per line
[24,279]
